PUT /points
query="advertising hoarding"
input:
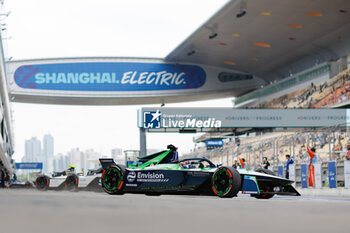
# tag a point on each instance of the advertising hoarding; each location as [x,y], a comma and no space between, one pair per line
[157,118]
[109,76]
[280,171]
[29,166]
[214,143]
[304,168]
[332,173]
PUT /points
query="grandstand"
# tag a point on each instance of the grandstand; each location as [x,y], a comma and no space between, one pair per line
[331,143]
[331,93]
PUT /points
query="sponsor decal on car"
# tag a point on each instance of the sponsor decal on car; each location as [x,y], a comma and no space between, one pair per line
[151,177]
[200,174]
[145,177]
[131,176]
[172,187]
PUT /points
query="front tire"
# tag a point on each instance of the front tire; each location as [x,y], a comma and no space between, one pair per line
[226,182]
[266,195]
[113,179]
[42,183]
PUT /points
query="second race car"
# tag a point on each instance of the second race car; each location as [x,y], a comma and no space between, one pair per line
[69,180]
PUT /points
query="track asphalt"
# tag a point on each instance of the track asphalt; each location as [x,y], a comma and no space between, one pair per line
[60,212]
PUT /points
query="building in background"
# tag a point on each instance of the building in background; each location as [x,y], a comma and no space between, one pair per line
[91,159]
[48,152]
[35,151]
[117,153]
[60,162]
[32,151]
[83,160]
[75,156]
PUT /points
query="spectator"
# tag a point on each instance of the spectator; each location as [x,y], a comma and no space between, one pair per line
[348,154]
[243,164]
[312,153]
[313,159]
[265,164]
[2,174]
[289,162]
[7,180]
[235,164]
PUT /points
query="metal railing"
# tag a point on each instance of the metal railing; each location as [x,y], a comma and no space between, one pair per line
[330,143]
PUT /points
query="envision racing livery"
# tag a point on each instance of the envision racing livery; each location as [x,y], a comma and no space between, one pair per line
[162,173]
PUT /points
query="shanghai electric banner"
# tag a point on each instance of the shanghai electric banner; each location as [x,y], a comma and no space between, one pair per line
[109,76]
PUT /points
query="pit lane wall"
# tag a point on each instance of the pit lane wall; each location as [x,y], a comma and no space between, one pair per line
[6,130]
[111,81]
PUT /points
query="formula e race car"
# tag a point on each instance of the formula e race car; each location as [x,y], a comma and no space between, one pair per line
[160,173]
[17,184]
[68,180]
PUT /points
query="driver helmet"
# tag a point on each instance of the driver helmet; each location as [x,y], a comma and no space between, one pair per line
[71,168]
[171,147]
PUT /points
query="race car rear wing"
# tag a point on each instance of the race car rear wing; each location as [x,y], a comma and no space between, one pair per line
[106,163]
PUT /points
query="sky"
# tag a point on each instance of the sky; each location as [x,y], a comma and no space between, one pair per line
[87,28]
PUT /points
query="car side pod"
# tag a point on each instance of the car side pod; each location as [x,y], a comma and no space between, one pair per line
[226,182]
[42,183]
[113,179]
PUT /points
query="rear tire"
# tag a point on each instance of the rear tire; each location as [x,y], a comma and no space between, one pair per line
[71,183]
[42,183]
[226,182]
[113,179]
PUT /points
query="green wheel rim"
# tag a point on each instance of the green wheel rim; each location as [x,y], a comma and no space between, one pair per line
[222,182]
[112,179]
